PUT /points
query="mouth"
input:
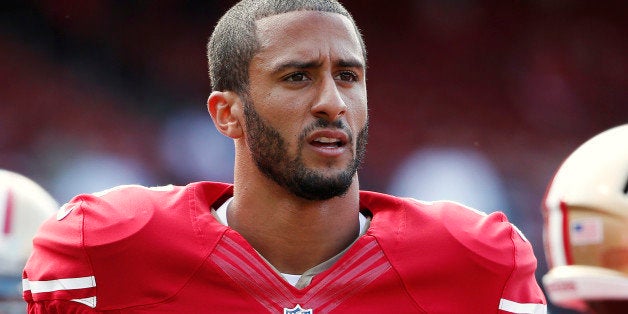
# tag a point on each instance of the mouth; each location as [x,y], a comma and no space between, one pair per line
[328,139]
[327,142]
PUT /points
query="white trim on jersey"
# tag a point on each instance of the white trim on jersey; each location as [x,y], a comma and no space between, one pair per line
[63,284]
[520,233]
[292,279]
[58,284]
[523,308]
[91,301]
[221,212]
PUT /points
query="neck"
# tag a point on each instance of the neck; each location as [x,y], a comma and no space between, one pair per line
[292,233]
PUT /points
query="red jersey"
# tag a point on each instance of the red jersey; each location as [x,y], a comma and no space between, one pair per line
[160,250]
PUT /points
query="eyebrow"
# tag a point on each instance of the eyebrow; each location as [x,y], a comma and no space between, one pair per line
[350,63]
[296,64]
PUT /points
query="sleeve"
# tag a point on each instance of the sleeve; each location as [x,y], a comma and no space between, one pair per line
[522,293]
[59,268]
[499,246]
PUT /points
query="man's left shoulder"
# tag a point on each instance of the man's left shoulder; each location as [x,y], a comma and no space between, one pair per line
[449,224]
[472,227]
[465,222]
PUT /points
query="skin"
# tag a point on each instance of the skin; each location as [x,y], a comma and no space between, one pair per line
[310,68]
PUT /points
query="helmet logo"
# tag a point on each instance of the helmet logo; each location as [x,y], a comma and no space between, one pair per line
[586,231]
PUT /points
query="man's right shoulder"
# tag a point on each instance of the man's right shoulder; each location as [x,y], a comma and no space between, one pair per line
[116,213]
[130,212]
[122,236]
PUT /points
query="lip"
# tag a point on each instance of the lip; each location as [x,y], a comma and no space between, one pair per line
[331,150]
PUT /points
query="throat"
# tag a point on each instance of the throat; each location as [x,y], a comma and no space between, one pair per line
[294,247]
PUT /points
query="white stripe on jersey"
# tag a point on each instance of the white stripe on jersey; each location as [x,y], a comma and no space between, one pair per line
[62,285]
[524,308]
[91,301]
[58,284]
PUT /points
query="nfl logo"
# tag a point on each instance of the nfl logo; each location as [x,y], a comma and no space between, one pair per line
[297,310]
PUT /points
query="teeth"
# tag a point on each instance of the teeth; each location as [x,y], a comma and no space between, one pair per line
[327,140]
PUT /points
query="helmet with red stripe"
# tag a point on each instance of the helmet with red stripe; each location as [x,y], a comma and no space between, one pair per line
[586,225]
[24,205]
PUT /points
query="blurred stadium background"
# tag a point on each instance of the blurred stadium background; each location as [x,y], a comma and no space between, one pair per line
[476,101]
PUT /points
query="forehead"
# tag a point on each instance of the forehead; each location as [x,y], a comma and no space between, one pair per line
[307,35]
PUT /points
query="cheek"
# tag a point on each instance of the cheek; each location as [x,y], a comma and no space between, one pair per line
[358,103]
[287,122]
[363,114]
[284,113]
[359,114]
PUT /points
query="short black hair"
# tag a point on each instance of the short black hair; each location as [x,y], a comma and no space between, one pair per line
[233,42]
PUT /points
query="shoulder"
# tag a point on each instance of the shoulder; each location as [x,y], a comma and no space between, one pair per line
[445,225]
[118,212]
[157,236]
[123,211]
[446,244]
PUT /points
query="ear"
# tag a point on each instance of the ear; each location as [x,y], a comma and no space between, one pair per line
[225,110]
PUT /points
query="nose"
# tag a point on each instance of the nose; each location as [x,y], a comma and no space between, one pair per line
[329,104]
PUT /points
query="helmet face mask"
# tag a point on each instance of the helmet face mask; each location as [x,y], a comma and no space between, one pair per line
[586,220]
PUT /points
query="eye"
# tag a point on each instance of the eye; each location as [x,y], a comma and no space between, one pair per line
[296,77]
[347,76]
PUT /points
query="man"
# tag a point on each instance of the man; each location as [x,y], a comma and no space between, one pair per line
[293,234]
[24,205]
[586,210]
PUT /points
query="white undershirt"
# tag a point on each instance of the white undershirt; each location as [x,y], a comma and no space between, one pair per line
[221,213]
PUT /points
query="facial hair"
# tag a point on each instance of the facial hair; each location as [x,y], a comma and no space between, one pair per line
[269,151]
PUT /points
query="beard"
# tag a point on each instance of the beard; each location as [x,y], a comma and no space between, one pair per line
[269,151]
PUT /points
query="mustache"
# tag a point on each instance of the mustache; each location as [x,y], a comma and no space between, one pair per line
[325,124]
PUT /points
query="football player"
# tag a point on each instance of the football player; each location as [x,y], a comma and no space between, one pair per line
[586,211]
[294,233]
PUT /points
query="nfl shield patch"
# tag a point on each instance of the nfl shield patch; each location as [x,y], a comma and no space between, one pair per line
[297,310]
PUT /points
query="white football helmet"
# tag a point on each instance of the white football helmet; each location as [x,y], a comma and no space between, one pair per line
[586,224]
[24,205]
